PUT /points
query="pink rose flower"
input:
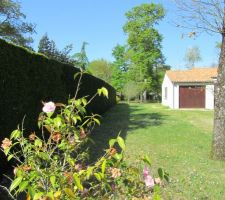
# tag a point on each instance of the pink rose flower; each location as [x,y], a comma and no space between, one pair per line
[145,171]
[49,107]
[148,180]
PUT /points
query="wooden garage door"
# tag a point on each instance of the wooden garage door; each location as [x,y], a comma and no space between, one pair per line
[192,96]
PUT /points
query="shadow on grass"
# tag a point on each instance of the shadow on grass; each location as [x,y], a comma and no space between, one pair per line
[114,122]
[140,118]
[120,119]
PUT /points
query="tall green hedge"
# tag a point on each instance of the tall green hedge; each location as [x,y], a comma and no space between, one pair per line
[27,78]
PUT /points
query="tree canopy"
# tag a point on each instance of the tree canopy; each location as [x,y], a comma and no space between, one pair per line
[192,56]
[138,59]
[48,48]
[12,25]
[101,68]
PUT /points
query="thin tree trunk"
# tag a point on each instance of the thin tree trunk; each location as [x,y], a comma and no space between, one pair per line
[218,145]
[145,96]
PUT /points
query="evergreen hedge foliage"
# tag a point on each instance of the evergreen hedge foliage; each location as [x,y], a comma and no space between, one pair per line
[27,78]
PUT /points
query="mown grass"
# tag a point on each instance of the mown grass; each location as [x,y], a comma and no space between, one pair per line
[177,140]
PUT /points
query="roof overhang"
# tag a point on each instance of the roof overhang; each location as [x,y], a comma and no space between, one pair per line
[193,83]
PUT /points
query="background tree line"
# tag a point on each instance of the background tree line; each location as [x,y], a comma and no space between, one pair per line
[138,67]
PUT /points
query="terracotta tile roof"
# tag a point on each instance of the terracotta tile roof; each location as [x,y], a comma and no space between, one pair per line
[192,75]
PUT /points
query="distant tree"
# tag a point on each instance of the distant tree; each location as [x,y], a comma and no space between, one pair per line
[101,68]
[120,55]
[209,16]
[48,48]
[192,56]
[118,78]
[81,57]
[12,25]
[131,90]
[119,67]
[64,54]
[144,42]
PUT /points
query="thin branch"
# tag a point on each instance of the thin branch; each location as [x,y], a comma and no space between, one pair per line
[199,14]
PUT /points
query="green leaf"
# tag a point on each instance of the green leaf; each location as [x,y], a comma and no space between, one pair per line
[23,186]
[98,176]
[38,195]
[161,173]
[69,192]
[15,183]
[77,181]
[15,134]
[121,143]
[99,91]
[43,155]
[6,151]
[112,142]
[166,176]
[118,156]
[147,160]
[156,190]
[104,166]
[31,192]
[57,194]
[84,101]
[38,143]
[76,118]
[10,157]
[57,122]
[33,175]
[97,121]
[52,180]
[49,114]
[89,172]
[103,91]
[50,195]
[156,197]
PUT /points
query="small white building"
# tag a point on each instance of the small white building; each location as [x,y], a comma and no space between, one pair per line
[192,88]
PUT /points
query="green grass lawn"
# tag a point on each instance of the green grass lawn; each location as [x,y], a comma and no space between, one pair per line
[177,140]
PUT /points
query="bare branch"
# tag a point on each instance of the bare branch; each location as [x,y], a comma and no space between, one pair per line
[201,15]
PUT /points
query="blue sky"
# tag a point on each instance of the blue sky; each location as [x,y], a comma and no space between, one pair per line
[100,22]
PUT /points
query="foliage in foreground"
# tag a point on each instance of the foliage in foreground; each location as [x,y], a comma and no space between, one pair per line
[55,167]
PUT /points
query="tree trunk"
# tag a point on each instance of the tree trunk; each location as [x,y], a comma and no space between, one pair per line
[218,144]
[145,96]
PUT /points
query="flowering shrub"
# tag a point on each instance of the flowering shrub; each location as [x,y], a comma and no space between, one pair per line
[55,167]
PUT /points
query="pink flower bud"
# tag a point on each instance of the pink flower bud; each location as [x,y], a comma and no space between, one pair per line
[148,180]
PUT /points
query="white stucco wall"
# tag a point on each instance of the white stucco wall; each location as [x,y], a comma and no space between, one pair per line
[209,97]
[176,96]
[169,100]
